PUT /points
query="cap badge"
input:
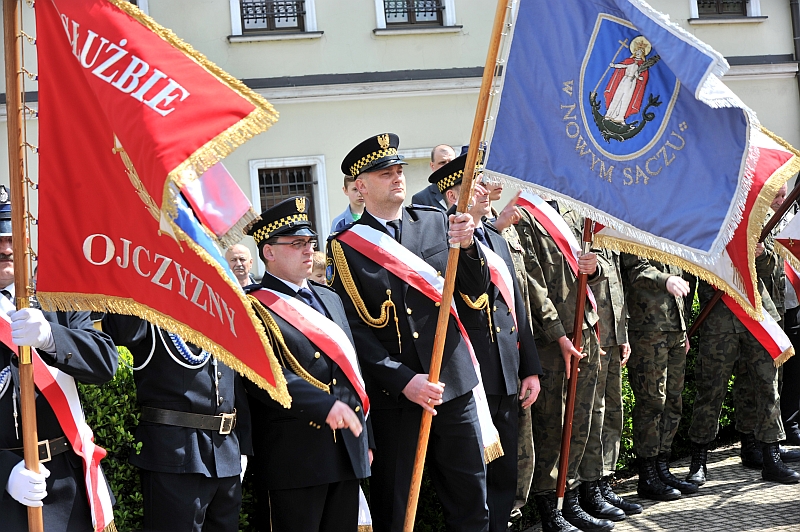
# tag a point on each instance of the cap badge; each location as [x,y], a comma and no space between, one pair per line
[3,194]
[383,140]
[301,204]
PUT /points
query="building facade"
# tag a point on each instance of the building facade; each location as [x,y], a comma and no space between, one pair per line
[340,71]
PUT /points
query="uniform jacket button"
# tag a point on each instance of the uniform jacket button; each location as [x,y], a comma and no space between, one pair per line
[316,355]
[415,335]
[334,382]
[408,311]
[358,409]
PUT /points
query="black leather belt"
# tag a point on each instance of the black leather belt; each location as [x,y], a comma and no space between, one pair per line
[223,423]
[47,449]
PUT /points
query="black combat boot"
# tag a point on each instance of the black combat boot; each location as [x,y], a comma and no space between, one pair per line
[596,505]
[573,513]
[698,470]
[552,520]
[789,455]
[650,486]
[774,469]
[664,474]
[630,508]
[751,452]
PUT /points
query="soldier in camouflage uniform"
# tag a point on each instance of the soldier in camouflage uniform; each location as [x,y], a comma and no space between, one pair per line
[725,340]
[657,333]
[602,449]
[552,288]
[771,272]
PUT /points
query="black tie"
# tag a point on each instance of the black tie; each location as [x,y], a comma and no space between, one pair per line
[308,298]
[480,236]
[7,294]
[395,224]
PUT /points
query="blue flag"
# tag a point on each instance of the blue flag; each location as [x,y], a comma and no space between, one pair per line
[610,107]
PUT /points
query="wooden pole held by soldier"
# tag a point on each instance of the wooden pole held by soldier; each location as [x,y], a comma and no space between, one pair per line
[768,227]
[16,172]
[572,388]
[502,11]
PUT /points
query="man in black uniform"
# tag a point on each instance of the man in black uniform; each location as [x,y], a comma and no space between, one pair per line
[66,341]
[378,279]
[307,477]
[502,338]
[194,430]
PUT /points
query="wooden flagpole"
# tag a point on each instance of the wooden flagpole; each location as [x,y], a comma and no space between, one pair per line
[19,228]
[489,70]
[577,342]
[768,227]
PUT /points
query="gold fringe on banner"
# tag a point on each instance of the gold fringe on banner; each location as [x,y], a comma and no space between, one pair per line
[640,250]
[493,452]
[786,355]
[111,527]
[787,255]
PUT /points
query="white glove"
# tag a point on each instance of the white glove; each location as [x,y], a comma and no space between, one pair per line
[27,487]
[29,327]
[244,466]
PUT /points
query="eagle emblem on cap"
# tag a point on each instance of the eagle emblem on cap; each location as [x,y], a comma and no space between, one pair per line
[383,140]
[3,194]
[301,204]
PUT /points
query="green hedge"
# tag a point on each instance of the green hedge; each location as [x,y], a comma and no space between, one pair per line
[111,410]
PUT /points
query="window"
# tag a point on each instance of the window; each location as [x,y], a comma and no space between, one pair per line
[278,184]
[272,20]
[727,8]
[399,17]
[413,12]
[272,15]
[274,180]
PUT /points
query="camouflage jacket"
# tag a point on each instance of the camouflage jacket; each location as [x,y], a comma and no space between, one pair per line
[552,286]
[610,296]
[650,306]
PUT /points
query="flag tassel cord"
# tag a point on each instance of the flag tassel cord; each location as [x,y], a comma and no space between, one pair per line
[502,13]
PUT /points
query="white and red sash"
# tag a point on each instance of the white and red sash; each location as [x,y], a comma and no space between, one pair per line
[768,333]
[501,278]
[321,331]
[385,251]
[558,230]
[62,395]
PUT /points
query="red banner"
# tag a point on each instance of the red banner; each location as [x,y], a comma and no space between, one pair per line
[107,72]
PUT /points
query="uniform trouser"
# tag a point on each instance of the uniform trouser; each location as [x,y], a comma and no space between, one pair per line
[190,502]
[715,360]
[525,457]
[548,413]
[608,405]
[745,406]
[656,375]
[324,508]
[454,461]
[501,473]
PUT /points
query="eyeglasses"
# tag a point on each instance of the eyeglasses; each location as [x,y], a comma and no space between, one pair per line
[297,244]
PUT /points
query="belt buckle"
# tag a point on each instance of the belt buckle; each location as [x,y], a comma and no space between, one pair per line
[47,448]
[228,422]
